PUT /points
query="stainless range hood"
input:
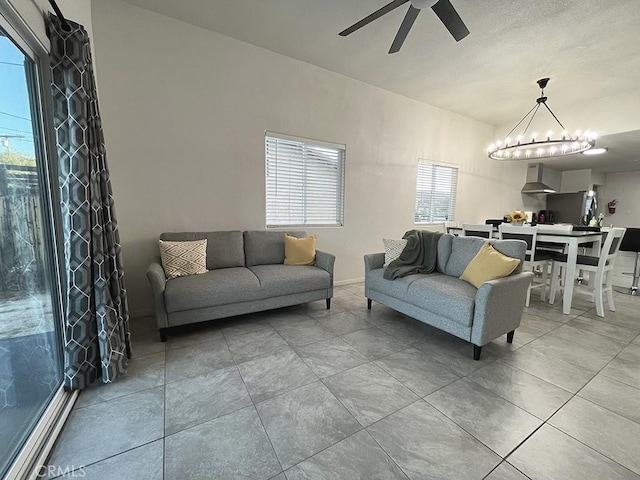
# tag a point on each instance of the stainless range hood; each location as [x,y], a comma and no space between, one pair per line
[534,180]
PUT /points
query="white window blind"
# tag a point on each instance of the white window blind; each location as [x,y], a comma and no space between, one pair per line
[435,192]
[304,182]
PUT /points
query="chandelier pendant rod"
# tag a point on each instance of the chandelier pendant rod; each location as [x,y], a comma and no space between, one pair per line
[521,120]
[554,115]
[531,120]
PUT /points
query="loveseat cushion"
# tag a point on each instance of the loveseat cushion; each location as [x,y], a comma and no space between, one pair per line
[216,287]
[445,296]
[266,248]
[463,250]
[444,252]
[277,280]
[224,249]
[394,288]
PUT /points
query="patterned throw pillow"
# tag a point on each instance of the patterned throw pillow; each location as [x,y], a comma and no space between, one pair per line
[392,250]
[183,258]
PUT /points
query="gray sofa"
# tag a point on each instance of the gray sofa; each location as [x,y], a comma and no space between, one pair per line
[246,274]
[441,299]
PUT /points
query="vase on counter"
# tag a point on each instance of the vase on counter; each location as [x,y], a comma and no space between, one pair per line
[518,223]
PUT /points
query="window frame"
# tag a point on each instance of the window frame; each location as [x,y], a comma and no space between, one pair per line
[339,195]
[452,209]
[41,439]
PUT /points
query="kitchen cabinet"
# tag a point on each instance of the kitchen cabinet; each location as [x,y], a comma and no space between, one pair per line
[580,180]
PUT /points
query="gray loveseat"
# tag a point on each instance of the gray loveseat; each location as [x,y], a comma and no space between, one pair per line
[246,274]
[441,299]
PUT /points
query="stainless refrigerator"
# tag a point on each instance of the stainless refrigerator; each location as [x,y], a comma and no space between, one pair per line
[574,208]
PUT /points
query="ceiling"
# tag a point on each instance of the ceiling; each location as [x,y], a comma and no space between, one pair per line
[589,48]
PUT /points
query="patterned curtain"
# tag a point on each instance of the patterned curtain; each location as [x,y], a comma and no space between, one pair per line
[97,343]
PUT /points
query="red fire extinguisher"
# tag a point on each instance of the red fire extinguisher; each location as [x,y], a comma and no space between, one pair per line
[612,206]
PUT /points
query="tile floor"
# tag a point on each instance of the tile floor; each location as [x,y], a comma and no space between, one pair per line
[306,393]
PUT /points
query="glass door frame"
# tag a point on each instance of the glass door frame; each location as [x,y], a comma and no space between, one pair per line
[40,441]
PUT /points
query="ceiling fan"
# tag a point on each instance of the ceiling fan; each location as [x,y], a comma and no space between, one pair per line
[442,8]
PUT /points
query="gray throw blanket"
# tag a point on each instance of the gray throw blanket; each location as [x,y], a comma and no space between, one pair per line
[419,256]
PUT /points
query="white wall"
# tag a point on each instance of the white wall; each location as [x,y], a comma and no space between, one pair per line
[625,187]
[184,114]
[622,186]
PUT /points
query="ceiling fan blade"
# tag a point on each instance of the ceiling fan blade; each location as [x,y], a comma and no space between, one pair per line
[403,31]
[448,15]
[374,16]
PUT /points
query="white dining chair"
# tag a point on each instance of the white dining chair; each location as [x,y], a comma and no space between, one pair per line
[533,259]
[600,270]
[448,226]
[484,231]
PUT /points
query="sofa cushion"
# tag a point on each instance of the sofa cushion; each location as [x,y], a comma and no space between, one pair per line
[489,264]
[216,287]
[394,288]
[266,248]
[277,280]
[299,251]
[463,249]
[224,249]
[444,252]
[443,295]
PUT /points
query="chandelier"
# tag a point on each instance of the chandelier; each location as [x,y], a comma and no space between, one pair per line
[534,146]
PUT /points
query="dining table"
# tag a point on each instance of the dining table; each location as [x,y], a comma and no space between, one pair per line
[572,241]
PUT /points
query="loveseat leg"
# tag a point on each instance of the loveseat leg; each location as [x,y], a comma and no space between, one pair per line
[328,303]
[476,352]
[368,304]
[163,334]
[510,336]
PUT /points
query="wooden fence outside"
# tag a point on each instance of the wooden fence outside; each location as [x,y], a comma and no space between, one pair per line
[21,235]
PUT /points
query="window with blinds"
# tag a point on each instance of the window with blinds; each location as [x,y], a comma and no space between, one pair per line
[304,182]
[436,192]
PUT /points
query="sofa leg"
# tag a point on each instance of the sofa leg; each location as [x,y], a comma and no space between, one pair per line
[328,303]
[368,304]
[510,336]
[163,334]
[476,352]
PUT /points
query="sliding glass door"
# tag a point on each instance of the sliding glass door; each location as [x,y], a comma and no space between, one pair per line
[30,337]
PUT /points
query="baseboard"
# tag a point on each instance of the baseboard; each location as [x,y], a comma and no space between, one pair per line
[340,283]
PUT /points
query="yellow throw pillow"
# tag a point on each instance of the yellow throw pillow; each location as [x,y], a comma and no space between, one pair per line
[488,264]
[299,251]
